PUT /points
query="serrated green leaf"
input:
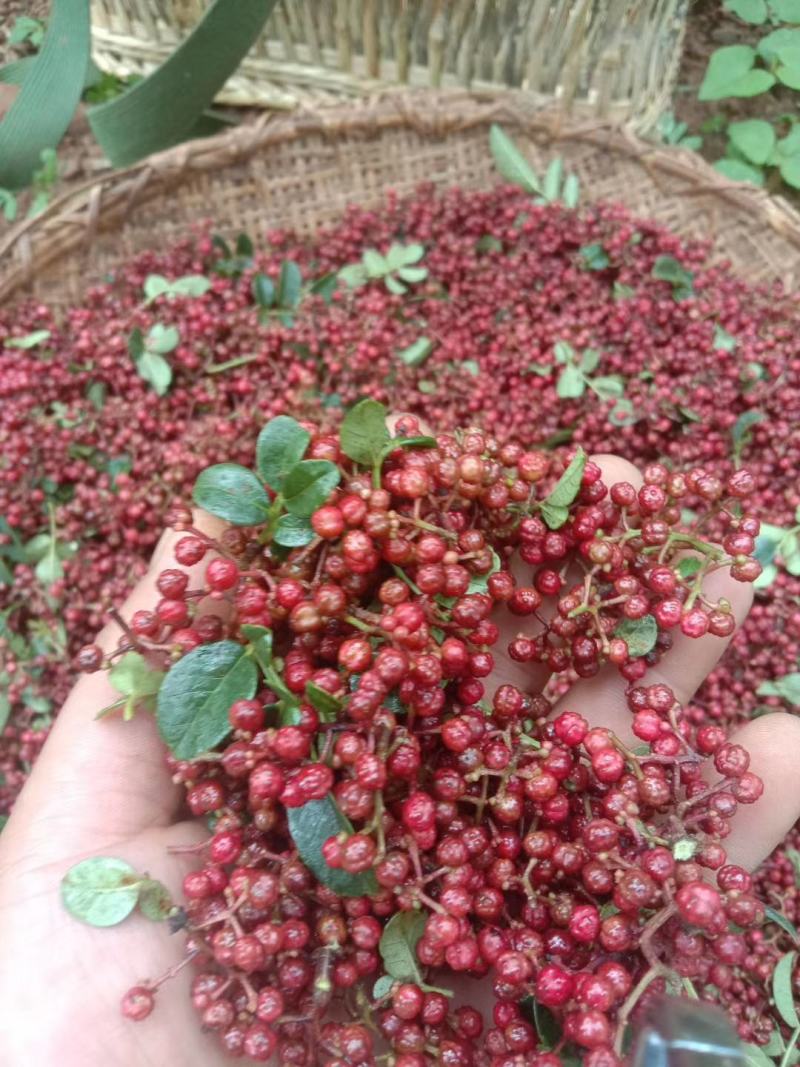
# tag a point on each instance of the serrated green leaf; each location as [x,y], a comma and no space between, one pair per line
[195,696]
[101,891]
[415,354]
[310,826]
[233,493]
[281,445]
[308,485]
[782,991]
[638,634]
[510,162]
[364,434]
[398,945]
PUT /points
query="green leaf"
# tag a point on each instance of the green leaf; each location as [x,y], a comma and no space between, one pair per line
[776,917]
[552,179]
[324,287]
[564,352]
[689,566]
[668,269]
[49,568]
[190,285]
[398,945]
[752,11]
[789,76]
[773,47]
[404,255]
[310,826]
[488,243]
[739,171]
[417,352]
[413,274]
[281,445]
[571,192]
[786,10]
[471,367]
[546,1024]
[394,286]
[162,339]
[5,710]
[293,532]
[155,370]
[290,285]
[787,687]
[101,891]
[326,704]
[609,387]
[622,292]
[511,163]
[740,431]
[794,858]
[409,442]
[554,515]
[364,433]
[263,289]
[197,692]
[790,171]
[24,29]
[427,387]
[375,264]
[383,987]
[782,990]
[132,676]
[353,275]
[155,285]
[568,485]
[723,340]
[233,493]
[571,383]
[754,138]
[730,73]
[155,902]
[638,634]
[594,256]
[755,1056]
[30,340]
[308,485]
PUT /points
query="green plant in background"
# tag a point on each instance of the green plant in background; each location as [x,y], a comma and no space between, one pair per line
[673,132]
[759,148]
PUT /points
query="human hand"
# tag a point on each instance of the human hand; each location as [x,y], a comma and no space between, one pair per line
[102,788]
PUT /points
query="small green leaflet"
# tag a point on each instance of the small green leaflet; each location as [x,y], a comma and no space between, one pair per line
[776,917]
[594,257]
[364,434]
[488,243]
[555,506]
[136,680]
[197,692]
[233,493]
[723,340]
[293,531]
[101,891]
[689,566]
[782,990]
[30,340]
[325,703]
[787,688]
[290,284]
[668,269]
[155,902]
[395,268]
[511,163]
[756,1057]
[793,857]
[310,827]
[639,635]
[398,945]
[416,353]
[156,285]
[148,354]
[281,445]
[740,431]
[383,987]
[479,583]
[308,485]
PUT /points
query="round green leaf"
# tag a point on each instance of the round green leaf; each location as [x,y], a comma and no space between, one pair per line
[786,10]
[752,11]
[308,485]
[233,493]
[739,171]
[639,635]
[398,945]
[281,445]
[155,370]
[155,902]
[790,171]
[754,138]
[310,827]
[363,433]
[194,699]
[101,891]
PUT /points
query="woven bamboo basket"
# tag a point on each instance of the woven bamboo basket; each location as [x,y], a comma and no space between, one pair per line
[616,59]
[300,170]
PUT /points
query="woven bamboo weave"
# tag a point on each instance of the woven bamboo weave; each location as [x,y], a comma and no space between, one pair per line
[616,59]
[300,170]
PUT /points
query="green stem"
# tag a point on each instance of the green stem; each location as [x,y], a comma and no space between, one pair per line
[231,364]
[785,1059]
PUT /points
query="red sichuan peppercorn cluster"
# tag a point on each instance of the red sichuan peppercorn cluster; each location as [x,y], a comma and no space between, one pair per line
[544,858]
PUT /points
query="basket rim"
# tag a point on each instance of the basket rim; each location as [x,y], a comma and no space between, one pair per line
[73,218]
